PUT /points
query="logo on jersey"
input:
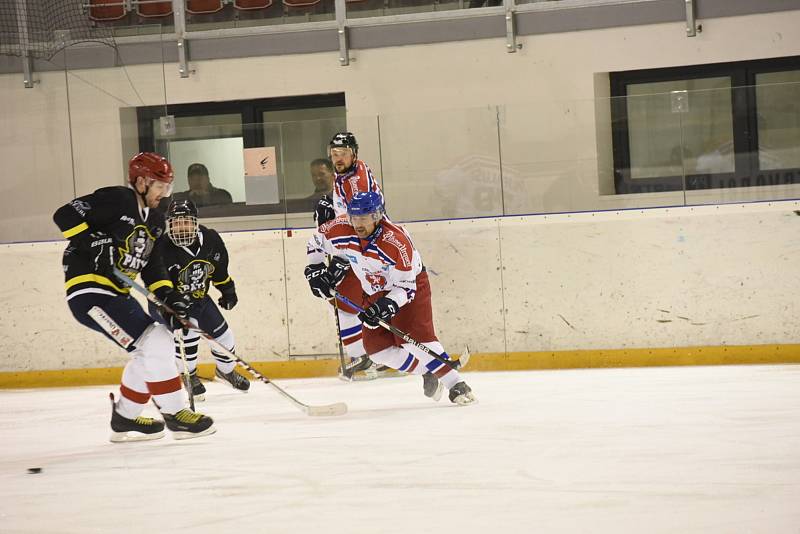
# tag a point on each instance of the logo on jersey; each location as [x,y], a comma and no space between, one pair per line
[399,245]
[192,280]
[376,280]
[81,206]
[127,219]
[135,252]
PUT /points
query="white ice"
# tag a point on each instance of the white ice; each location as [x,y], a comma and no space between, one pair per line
[677,450]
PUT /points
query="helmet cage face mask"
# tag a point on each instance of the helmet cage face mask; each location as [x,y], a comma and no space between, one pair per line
[182,229]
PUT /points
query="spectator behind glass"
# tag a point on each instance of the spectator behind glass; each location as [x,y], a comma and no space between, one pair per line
[322,177]
[201,192]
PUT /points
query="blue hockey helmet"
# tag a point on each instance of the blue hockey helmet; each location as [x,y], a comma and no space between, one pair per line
[365,203]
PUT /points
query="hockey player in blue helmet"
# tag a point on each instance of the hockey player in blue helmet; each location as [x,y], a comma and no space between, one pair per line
[395,289]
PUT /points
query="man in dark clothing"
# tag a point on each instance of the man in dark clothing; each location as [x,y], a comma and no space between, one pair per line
[201,192]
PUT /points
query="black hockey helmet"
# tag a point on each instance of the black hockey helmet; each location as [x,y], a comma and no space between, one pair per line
[344,140]
[182,222]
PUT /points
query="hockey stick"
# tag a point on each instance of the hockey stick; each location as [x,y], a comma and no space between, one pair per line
[338,408]
[339,336]
[408,339]
[187,379]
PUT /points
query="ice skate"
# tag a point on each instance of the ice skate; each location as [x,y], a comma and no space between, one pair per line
[234,379]
[432,387]
[138,429]
[187,424]
[198,389]
[461,394]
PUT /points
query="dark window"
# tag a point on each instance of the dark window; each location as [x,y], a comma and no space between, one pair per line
[217,135]
[707,126]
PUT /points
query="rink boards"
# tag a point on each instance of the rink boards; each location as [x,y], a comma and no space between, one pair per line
[666,286]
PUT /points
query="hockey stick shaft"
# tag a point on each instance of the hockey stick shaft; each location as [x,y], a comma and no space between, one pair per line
[331,409]
[399,333]
[339,335]
[187,379]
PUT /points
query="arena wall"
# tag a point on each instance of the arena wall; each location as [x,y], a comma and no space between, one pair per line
[666,286]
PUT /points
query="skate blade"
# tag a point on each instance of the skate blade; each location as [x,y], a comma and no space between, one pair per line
[438,393]
[218,379]
[200,397]
[189,435]
[465,400]
[132,435]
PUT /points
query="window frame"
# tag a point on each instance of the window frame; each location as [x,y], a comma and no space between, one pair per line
[747,171]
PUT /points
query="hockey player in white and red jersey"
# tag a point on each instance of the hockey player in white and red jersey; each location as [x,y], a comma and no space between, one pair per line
[395,289]
[351,176]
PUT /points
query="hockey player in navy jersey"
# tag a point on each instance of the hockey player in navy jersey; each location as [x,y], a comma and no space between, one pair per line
[118,227]
[190,261]
[395,290]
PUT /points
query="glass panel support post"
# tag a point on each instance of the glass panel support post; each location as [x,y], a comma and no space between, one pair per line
[179,13]
[691,23]
[27,61]
[511,31]
[341,32]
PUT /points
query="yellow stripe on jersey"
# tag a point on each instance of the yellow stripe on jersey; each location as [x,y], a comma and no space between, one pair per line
[223,282]
[161,283]
[75,230]
[97,279]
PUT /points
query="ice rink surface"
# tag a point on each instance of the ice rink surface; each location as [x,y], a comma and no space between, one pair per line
[678,450]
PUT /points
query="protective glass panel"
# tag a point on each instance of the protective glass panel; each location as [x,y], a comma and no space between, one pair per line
[778,114]
[450,168]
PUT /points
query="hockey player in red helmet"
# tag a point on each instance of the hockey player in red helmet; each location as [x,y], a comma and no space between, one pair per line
[151,176]
[117,228]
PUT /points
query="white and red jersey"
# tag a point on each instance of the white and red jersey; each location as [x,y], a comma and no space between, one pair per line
[359,179]
[387,261]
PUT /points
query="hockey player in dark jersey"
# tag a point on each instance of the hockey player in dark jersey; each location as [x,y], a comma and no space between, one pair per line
[118,227]
[193,258]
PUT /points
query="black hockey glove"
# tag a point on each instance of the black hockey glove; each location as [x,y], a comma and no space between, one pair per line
[324,211]
[383,309]
[180,304]
[337,269]
[228,299]
[320,280]
[102,253]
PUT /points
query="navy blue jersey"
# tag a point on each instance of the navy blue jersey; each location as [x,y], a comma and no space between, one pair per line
[192,269]
[109,212]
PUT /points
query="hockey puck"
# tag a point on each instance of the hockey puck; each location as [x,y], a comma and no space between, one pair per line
[34,470]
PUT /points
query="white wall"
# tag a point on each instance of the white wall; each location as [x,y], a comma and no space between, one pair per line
[548,88]
[713,275]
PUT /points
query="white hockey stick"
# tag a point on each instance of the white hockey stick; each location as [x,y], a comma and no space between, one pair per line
[338,408]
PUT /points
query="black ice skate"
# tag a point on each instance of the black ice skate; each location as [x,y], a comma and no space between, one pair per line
[198,389]
[461,394]
[234,379]
[187,424]
[432,387]
[138,429]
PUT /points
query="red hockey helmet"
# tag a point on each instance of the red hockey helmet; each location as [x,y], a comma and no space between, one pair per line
[150,165]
